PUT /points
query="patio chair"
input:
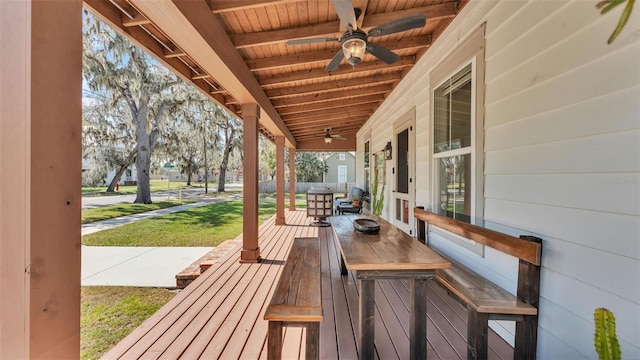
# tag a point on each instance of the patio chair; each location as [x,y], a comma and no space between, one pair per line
[355,193]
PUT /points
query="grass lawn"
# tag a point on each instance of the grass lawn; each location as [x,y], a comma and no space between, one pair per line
[109,313]
[113,211]
[204,226]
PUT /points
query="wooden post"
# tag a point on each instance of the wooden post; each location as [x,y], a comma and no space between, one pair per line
[250,249]
[292,179]
[280,180]
[422,228]
[526,339]
[40,153]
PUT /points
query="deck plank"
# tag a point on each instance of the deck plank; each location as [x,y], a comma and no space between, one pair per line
[219,315]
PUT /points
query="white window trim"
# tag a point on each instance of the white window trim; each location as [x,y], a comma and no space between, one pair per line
[471,51]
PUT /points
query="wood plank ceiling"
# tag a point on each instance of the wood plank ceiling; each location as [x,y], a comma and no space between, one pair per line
[306,97]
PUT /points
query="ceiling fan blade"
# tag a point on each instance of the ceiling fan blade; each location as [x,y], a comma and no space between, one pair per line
[346,13]
[311,41]
[335,62]
[406,23]
[382,53]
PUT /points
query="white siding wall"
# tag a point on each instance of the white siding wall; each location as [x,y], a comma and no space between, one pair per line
[562,158]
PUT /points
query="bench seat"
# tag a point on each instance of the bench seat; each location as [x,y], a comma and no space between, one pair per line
[481,294]
[297,299]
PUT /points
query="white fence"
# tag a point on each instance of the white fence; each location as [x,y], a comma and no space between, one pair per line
[301,188]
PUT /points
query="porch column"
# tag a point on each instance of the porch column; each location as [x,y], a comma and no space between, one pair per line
[40,167]
[280,180]
[292,179]
[250,250]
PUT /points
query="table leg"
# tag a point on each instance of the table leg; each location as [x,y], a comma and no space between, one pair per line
[418,322]
[367,318]
[343,267]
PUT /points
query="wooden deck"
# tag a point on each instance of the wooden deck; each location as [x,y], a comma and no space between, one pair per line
[220,315]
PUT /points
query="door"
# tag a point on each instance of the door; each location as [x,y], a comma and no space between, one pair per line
[342,174]
[403,173]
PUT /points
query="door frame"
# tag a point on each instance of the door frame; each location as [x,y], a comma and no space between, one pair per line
[405,122]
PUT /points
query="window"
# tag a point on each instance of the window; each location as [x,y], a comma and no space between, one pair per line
[457,108]
[453,146]
[341,157]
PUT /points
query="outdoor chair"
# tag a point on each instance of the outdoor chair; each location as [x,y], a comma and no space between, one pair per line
[355,193]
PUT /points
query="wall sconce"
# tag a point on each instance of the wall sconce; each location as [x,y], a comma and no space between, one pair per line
[387,151]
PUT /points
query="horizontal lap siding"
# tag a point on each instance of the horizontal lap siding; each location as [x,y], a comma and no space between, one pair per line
[562,161]
[562,157]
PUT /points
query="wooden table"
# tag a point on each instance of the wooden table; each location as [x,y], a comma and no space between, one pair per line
[389,254]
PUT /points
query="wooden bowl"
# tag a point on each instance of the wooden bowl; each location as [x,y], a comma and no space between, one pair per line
[366,226]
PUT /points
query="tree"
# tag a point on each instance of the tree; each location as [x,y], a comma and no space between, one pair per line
[187,141]
[231,134]
[267,157]
[136,83]
[309,167]
[105,127]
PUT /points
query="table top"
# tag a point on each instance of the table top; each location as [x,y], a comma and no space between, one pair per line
[389,249]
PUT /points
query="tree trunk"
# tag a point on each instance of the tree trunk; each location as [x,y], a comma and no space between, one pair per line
[116,178]
[143,159]
[189,177]
[221,178]
[143,162]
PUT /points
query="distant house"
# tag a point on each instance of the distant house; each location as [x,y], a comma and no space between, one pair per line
[341,168]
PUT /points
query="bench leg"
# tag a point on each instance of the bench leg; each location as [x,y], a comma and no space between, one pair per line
[477,335]
[526,338]
[313,341]
[274,345]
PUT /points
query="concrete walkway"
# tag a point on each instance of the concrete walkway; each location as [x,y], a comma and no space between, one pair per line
[138,266]
[119,221]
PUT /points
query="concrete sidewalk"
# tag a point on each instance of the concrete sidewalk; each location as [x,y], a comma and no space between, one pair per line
[138,266]
[119,221]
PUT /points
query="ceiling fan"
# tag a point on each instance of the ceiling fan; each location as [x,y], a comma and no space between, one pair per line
[354,42]
[328,138]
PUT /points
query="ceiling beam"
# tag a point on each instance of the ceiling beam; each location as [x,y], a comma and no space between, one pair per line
[330,29]
[336,85]
[325,55]
[319,144]
[221,6]
[300,128]
[330,115]
[344,69]
[331,96]
[376,98]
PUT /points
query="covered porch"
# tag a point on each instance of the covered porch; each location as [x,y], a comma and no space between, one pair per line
[220,315]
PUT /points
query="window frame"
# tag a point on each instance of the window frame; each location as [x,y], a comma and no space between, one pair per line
[469,51]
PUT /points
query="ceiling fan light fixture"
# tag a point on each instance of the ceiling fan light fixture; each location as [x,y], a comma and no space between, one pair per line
[327,139]
[353,50]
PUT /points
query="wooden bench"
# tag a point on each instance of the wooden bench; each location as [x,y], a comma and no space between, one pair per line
[297,299]
[485,300]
